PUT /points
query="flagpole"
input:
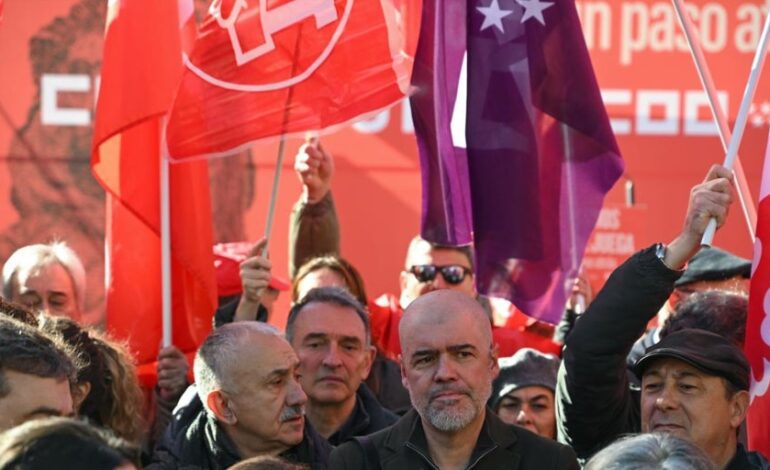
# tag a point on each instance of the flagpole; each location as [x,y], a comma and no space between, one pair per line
[281,146]
[740,120]
[165,238]
[276,182]
[741,183]
[570,180]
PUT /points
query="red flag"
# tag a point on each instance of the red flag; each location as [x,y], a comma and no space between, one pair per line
[757,346]
[141,68]
[301,65]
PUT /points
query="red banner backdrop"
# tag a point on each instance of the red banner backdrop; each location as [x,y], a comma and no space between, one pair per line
[50,58]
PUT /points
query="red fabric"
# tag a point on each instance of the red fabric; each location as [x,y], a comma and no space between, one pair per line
[140,71]
[227,99]
[757,345]
[521,332]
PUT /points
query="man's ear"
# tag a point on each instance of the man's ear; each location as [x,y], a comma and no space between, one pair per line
[404,382]
[220,405]
[403,279]
[494,354]
[371,353]
[739,406]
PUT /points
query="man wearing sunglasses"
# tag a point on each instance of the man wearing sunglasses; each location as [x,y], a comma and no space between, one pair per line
[314,231]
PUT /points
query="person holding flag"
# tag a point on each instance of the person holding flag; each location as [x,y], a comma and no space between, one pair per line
[694,383]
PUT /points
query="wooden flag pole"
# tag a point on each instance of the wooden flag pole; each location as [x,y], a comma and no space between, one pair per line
[274,191]
[741,183]
[281,147]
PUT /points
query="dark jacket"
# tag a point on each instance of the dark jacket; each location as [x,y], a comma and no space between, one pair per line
[194,441]
[368,417]
[595,403]
[403,446]
[744,460]
[225,313]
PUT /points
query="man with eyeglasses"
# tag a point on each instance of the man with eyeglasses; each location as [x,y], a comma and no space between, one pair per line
[428,266]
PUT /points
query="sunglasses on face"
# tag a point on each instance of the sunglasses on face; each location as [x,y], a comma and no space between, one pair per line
[452,273]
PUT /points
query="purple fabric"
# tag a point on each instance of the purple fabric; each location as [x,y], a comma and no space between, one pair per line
[540,151]
[446,202]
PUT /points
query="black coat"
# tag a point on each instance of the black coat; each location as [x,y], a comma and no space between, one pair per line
[194,441]
[500,446]
[595,403]
[368,417]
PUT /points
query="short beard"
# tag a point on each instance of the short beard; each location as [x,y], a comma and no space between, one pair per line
[455,417]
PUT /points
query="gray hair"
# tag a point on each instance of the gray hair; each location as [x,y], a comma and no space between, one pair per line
[219,352]
[650,451]
[329,295]
[31,256]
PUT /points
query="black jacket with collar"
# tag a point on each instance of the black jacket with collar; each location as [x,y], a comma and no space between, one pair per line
[194,441]
[368,417]
[500,446]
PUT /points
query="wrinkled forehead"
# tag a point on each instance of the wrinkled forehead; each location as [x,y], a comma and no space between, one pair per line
[440,330]
[50,274]
[664,367]
[260,355]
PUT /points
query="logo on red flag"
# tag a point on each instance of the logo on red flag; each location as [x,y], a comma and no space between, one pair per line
[261,33]
[264,68]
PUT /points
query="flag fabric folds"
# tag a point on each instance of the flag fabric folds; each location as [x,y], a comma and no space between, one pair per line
[142,65]
[757,344]
[527,125]
[259,71]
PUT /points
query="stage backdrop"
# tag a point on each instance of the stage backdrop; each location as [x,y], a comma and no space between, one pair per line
[49,73]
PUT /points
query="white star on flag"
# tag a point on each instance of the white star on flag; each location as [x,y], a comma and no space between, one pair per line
[493,16]
[534,9]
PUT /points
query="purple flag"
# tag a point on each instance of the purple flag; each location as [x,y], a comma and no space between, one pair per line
[446,202]
[540,151]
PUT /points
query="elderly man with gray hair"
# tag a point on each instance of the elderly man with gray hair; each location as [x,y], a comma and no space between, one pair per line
[46,277]
[248,403]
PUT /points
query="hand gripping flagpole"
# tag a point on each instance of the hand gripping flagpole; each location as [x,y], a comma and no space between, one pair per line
[740,120]
[725,136]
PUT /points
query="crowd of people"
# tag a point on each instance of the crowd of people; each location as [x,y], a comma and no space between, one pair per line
[651,375]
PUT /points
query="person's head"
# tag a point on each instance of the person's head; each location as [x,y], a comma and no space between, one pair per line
[523,393]
[246,375]
[118,406]
[329,330]
[90,381]
[650,451]
[36,373]
[267,462]
[18,312]
[712,269]
[717,311]
[43,444]
[430,266]
[448,359]
[695,385]
[47,277]
[328,271]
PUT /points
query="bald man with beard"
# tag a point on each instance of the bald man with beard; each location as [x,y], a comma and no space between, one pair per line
[448,363]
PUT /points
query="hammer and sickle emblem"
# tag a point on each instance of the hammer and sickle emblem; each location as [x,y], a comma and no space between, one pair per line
[272,21]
